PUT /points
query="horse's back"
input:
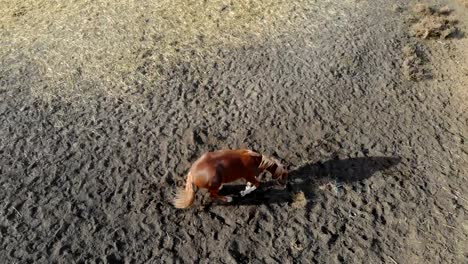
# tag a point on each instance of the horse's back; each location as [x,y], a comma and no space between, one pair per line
[229,165]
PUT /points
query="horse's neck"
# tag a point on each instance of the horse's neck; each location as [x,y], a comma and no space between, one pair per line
[272,169]
[267,164]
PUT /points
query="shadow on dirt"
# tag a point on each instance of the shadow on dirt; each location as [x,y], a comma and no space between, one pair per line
[306,179]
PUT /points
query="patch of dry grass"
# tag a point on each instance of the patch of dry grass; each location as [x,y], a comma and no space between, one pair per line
[464,2]
[84,47]
[432,22]
[299,200]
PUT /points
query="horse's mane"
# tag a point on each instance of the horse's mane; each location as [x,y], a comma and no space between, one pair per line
[268,162]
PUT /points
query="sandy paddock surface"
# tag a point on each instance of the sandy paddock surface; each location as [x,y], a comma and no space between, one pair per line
[365,101]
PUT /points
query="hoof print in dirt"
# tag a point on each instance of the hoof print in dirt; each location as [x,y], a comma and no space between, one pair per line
[414,63]
[433,23]
[398,8]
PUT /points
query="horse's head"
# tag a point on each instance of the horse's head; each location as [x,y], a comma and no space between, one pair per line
[277,170]
[283,177]
[280,173]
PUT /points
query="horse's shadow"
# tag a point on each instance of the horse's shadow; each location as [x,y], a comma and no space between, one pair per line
[307,179]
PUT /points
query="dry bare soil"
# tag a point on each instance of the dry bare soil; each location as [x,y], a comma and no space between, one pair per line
[104,106]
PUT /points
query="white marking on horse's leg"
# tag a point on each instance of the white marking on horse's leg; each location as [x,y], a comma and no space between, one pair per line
[228,199]
[251,189]
[220,187]
[248,189]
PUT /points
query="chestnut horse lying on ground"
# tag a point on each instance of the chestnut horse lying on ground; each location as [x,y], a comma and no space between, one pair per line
[213,169]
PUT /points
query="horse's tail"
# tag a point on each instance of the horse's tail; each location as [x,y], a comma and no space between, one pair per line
[185,197]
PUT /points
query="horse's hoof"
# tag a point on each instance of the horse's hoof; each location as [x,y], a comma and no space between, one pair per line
[228,199]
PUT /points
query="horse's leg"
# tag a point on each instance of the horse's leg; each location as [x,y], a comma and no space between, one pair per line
[216,183]
[214,194]
[252,184]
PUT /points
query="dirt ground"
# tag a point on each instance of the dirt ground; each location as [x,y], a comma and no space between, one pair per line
[366,103]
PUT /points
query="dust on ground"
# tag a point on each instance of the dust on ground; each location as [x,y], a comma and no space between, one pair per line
[378,161]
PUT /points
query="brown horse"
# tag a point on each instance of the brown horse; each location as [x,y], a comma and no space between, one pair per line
[213,169]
